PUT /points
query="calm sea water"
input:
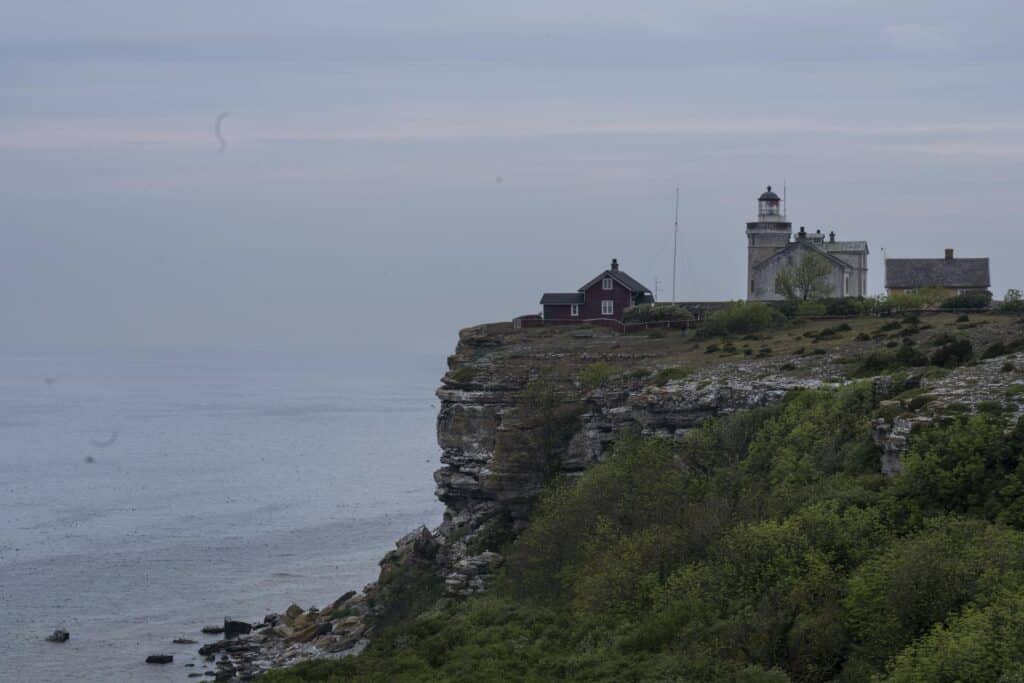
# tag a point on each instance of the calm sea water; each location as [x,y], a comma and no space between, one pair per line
[220,485]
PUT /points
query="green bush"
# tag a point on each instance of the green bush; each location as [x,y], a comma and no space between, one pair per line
[666,375]
[981,643]
[968,300]
[878,362]
[999,348]
[595,375]
[1013,302]
[897,596]
[645,313]
[811,308]
[844,306]
[953,353]
[741,317]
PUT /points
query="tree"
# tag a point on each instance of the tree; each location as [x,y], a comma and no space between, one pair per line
[1014,301]
[806,280]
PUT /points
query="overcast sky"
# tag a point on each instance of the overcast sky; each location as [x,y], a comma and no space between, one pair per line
[397,170]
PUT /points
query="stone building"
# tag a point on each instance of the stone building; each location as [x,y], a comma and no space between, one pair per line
[772,248]
[951,274]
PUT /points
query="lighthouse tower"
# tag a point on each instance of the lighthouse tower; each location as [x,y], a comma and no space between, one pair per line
[766,236]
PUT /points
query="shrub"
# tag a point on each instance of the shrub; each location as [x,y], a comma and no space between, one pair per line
[897,596]
[968,300]
[646,313]
[741,317]
[901,301]
[811,308]
[666,375]
[997,349]
[846,306]
[595,374]
[1013,302]
[980,643]
[879,362]
[953,353]
[1008,367]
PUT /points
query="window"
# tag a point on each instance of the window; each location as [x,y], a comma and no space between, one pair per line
[606,283]
[574,310]
[607,307]
[846,284]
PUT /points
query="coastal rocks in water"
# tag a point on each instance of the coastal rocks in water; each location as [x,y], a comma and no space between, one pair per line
[213,630]
[184,641]
[339,629]
[159,659]
[58,636]
[233,628]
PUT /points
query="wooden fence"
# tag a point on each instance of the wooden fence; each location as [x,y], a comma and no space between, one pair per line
[527,321]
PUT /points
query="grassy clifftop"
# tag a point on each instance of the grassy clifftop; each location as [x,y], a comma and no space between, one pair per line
[765,545]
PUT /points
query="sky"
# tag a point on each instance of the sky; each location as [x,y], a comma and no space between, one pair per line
[394,171]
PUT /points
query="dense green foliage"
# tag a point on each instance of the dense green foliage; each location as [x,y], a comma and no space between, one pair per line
[646,313]
[741,317]
[595,374]
[764,547]
[968,300]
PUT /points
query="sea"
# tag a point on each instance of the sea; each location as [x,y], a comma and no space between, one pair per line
[147,493]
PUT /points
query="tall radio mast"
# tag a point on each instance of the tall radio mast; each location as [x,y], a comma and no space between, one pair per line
[675,245]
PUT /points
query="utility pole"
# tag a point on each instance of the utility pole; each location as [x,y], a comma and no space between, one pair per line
[675,246]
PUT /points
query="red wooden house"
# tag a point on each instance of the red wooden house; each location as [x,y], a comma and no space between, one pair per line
[608,296]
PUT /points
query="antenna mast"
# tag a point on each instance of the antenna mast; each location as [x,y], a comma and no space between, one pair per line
[785,205]
[675,246]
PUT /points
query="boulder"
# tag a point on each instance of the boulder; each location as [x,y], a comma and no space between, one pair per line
[184,641]
[213,630]
[292,613]
[233,628]
[159,659]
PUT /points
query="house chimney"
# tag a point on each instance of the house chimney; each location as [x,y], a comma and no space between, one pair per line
[615,264]
[832,236]
[949,254]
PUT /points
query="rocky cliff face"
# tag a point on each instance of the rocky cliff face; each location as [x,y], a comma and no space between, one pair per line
[487,425]
[520,407]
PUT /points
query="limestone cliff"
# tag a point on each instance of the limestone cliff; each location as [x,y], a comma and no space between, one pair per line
[519,407]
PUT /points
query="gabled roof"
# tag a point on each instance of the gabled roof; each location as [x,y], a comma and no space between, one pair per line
[857,247]
[804,244]
[620,277]
[561,299]
[913,273]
